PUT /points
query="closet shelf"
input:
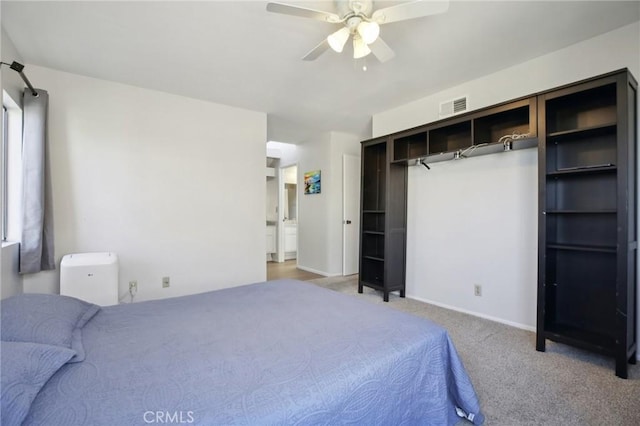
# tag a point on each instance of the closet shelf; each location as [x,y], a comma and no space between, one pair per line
[598,168]
[579,247]
[376,258]
[583,131]
[578,212]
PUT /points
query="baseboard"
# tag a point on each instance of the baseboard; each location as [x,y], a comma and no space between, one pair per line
[475,314]
[315,271]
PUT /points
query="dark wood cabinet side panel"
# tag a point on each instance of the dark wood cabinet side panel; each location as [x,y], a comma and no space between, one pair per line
[628,314]
[396,226]
[543,262]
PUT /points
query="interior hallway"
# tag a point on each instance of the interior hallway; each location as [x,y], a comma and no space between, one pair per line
[288,269]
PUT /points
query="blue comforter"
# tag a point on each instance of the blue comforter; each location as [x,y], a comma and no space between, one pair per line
[281,352]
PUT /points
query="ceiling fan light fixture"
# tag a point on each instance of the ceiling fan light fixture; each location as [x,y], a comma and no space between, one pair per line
[338,39]
[369,31]
[360,48]
[361,21]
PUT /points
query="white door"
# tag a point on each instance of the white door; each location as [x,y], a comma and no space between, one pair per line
[350,214]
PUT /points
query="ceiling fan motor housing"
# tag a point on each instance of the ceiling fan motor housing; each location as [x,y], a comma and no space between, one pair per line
[352,23]
[357,7]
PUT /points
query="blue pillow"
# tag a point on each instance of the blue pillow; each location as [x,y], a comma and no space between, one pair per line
[25,369]
[49,319]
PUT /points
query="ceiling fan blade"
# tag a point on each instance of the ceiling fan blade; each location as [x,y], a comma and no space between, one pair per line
[303,12]
[409,10]
[381,50]
[316,51]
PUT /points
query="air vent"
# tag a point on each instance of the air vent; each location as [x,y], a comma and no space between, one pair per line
[452,107]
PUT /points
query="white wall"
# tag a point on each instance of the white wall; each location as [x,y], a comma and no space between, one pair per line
[341,144]
[313,209]
[320,215]
[474,221]
[174,186]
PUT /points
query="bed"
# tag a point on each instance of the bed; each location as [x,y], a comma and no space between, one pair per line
[281,352]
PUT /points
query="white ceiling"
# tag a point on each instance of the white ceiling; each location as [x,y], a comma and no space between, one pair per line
[236,53]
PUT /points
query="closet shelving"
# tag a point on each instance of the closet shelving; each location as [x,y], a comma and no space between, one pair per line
[587,243]
[384,178]
[586,134]
[503,127]
[373,213]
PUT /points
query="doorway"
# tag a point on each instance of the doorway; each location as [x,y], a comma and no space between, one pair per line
[288,214]
[288,269]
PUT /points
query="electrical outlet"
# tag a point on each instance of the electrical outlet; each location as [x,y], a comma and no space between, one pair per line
[165,282]
[477,290]
[133,287]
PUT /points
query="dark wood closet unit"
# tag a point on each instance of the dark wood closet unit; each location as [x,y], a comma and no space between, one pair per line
[586,134]
[383,221]
[587,217]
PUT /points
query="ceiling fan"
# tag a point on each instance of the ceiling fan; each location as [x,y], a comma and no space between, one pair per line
[360,22]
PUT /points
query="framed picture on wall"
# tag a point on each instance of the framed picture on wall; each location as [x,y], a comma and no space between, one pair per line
[312,182]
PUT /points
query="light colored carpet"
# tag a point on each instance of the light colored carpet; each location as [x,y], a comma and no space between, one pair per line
[517,385]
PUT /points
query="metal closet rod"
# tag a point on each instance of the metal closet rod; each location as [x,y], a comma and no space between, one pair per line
[18,67]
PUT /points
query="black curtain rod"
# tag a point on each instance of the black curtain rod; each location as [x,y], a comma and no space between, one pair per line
[18,67]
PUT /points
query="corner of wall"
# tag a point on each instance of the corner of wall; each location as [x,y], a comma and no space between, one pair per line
[11,81]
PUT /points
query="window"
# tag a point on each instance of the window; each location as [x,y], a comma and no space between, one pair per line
[11,166]
[5,172]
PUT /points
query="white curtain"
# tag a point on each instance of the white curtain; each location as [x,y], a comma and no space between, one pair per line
[36,245]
